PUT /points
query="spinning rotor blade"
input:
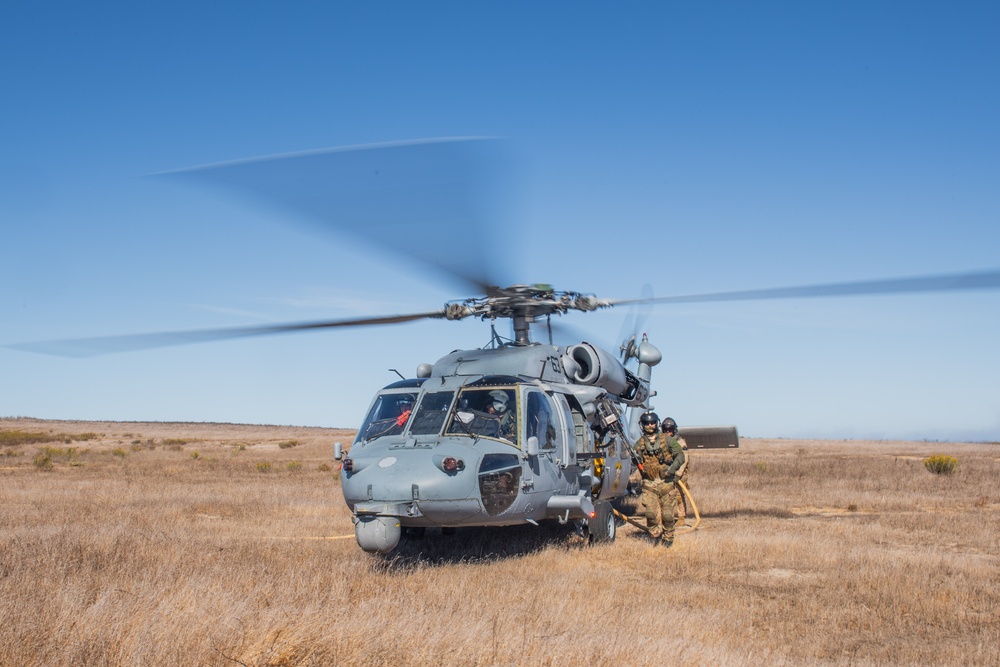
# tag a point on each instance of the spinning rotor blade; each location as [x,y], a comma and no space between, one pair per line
[92,347]
[939,283]
[638,313]
[438,202]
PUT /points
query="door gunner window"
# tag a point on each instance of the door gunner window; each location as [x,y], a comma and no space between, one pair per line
[539,421]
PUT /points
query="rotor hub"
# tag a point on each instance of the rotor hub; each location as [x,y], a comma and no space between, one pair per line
[523,304]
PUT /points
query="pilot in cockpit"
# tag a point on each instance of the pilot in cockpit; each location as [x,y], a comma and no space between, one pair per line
[498,407]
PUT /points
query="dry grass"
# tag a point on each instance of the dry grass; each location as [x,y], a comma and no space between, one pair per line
[817,553]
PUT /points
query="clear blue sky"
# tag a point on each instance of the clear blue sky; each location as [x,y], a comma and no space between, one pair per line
[691,146]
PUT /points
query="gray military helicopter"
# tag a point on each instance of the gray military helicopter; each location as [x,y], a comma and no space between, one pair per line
[517,432]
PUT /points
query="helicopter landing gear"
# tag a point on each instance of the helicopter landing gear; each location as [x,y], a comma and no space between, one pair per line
[603,527]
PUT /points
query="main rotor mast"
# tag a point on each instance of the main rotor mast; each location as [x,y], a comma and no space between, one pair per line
[523,304]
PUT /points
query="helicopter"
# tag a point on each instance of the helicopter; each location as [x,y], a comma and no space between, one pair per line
[517,432]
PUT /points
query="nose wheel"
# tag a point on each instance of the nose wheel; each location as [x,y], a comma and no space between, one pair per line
[603,527]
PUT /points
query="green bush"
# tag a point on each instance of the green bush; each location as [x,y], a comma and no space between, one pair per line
[940,464]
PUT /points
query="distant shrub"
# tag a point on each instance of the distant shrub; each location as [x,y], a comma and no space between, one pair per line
[322,467]
[761,466]
[175,441]
[293,466]
[288,444]
[119,452]
[195,455]
[65,454]
[263,466]
[43,462]
[8,438]
[940,464]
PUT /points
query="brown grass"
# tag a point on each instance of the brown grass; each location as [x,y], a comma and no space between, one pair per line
[816,553]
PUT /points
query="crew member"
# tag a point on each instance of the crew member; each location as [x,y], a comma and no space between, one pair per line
[498,409]
[669,429]
[660,459]
[405,407]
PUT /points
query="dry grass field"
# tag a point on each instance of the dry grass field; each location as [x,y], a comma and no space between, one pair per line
[218,544]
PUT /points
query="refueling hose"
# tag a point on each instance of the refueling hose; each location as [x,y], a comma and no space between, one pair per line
[687,529]
[694,506]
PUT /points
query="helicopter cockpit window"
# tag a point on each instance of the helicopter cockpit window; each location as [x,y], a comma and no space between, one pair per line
[388,416]
[431,413]
[485,412]
[539,420]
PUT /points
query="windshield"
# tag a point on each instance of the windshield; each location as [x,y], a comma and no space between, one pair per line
[486,412]
[388,416]
[430,416]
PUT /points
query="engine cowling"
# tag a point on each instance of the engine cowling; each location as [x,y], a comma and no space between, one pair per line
[590,365]
[587,364]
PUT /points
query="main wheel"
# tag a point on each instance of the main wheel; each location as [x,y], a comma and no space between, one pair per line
[603,527]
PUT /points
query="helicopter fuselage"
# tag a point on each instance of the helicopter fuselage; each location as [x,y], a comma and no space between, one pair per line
[490,437]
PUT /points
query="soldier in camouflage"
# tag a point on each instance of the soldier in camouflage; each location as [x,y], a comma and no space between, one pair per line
[660,459]
[669,429]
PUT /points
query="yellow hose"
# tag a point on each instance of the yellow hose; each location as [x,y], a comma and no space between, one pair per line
[629,520]
[694,506]
[687,529]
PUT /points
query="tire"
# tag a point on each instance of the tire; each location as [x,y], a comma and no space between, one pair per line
[603,527]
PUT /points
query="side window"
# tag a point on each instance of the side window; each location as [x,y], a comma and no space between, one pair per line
[577,431]
[539,420]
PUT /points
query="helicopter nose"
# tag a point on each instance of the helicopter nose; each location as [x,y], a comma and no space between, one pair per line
[432,486]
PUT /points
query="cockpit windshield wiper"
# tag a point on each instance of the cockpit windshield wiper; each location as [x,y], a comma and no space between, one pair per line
[463,419]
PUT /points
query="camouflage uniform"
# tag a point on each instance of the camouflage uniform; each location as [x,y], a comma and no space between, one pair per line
[680,514]
[661,457]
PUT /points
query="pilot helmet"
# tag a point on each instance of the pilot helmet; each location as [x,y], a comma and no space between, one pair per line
[669,425]
[500,399]
[649,421]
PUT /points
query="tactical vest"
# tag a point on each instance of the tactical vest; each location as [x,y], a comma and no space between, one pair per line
[655,454]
